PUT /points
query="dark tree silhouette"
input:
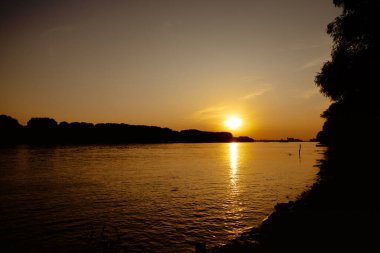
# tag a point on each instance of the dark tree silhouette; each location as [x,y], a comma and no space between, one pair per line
[350,79]
[10,130]
[8,123]
[193,135]
[42,130]
[42,124]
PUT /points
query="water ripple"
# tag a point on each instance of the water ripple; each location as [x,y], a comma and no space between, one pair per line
[145,198]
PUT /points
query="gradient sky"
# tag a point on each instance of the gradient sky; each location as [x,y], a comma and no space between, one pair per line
[178,64]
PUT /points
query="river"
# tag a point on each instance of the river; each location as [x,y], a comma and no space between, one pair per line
[145,198]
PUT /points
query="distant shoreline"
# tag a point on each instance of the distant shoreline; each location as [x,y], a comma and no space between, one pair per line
[48,131]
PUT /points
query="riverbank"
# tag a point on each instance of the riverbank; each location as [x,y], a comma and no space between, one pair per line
[338,213]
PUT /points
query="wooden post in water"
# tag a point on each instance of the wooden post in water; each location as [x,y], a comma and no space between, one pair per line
[299,151]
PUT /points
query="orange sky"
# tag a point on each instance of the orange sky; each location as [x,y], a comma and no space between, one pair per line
[178,64]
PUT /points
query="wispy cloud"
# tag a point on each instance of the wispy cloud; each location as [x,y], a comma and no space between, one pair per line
[306,47]
[312,63]
[256,93]
[60,29]
[211,112]
[307,94]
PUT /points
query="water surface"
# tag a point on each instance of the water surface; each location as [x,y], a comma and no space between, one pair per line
[150,198]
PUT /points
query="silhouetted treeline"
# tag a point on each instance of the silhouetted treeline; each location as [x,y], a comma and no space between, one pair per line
[10,130]
[48,131]
[350,78]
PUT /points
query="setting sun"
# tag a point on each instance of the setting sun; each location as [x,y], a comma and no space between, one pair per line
[233,122]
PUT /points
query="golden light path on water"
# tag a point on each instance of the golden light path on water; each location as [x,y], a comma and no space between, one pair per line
[233,158]
[234,169]
[235,210]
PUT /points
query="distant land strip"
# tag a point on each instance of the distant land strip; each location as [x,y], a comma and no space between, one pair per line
[48,131]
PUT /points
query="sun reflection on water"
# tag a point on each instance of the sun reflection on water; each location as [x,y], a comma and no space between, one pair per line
[235,210]
[234,167]
[233,158]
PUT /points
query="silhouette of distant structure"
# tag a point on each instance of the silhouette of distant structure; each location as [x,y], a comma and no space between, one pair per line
[288,139]
[291,139]
[243,139]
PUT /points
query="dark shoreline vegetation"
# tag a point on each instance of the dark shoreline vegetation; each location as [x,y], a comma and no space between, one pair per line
[340,212]
[48,131]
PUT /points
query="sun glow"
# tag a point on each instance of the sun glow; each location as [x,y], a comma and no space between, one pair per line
[233,122]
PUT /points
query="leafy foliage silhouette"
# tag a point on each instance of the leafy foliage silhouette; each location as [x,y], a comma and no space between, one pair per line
[350,78]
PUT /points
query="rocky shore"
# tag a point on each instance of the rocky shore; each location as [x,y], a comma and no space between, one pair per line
[339,213]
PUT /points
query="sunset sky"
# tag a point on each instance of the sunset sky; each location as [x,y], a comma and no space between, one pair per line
[178,64]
